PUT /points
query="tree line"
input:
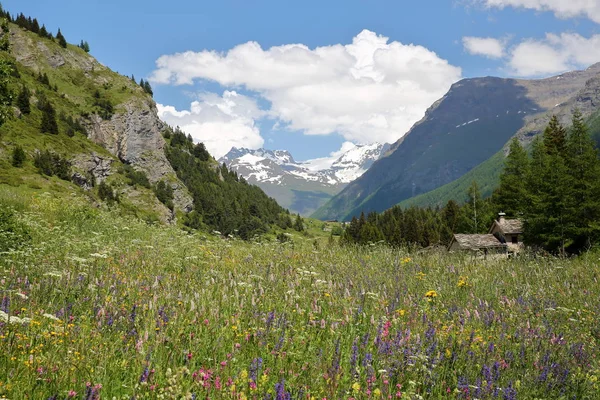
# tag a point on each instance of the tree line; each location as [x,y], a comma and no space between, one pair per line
[553,186]
[33,25]
[223,201]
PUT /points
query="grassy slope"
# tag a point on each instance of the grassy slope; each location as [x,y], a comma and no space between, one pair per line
[74,97]
[109,298]
[486,174]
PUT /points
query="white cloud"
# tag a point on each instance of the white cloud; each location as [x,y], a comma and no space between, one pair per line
[318,164]
[369,91]
[489,47]
[561,8]
[220,122]
[554,54]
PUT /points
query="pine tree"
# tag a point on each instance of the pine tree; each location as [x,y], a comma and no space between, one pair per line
[6,94]
[511,195]
[43,32]
[84,46]
[61,39]
[18,157]
[299,224]
[148,88]
[49,124]
[23,101]
[583,196]
[546,221]
[555,137]
[5,38]
[35,26]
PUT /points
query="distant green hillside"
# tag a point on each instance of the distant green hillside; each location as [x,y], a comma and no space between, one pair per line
[486,174]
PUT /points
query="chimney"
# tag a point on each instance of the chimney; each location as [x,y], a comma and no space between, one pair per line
[501,216]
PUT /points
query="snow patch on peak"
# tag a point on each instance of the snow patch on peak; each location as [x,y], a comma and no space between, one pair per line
[340,168]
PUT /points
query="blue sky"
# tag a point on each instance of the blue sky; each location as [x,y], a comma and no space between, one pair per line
[311,101]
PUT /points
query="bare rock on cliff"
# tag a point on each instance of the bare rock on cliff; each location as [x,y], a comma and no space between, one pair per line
[134,135]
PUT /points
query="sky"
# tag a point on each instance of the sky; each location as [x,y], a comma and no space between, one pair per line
[317,77]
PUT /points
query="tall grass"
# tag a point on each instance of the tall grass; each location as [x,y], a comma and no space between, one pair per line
[101,305]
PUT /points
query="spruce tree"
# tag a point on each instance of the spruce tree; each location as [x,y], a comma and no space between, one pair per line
[299,224]
[511,195]
[583,196]
[23,101]
[61,39]
[49,124]
[43,32]
[547,222]
[18,157]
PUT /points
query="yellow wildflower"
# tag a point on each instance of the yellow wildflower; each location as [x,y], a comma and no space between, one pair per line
[356,387]
[431,295]
[377,392]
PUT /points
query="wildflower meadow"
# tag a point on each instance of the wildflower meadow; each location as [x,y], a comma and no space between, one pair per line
[95,305]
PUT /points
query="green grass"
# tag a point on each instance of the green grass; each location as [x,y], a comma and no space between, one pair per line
[148,311]
[486,174]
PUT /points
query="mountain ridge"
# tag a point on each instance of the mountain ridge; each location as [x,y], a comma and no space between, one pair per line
[463,129]
[301,186]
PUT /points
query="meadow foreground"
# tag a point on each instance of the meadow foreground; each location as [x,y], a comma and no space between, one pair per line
[95,305]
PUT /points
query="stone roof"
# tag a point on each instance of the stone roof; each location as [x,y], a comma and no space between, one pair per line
[510,225]
[475,242]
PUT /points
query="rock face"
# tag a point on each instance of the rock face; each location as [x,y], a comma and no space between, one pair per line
[134,136]
[94,168]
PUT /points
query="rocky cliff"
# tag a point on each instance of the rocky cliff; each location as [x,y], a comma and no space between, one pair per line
[133,134]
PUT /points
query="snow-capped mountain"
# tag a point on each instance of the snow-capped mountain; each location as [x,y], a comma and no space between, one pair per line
[301,186]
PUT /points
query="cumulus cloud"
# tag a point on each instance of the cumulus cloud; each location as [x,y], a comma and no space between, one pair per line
[554,54]
[488,47]
[318,164]
[367,91]
[220,122]
[561,8]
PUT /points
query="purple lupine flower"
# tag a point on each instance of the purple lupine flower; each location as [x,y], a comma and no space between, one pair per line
[5,305]
[335,363]
[145,375]
[367,360]
[279,344]
[463,386]
[354,355]
[365,340]
[487,374]
[477,392]
[280,392]
[255,367]
[133,314]
[510,393]
[496,371]
[270,318]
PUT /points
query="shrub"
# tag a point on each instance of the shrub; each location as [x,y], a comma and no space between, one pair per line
[13,234]
[164,194]
[106,193]
[52,164]
[135,177]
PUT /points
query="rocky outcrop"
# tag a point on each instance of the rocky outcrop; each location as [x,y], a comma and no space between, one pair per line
[90,169]
[134,135]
